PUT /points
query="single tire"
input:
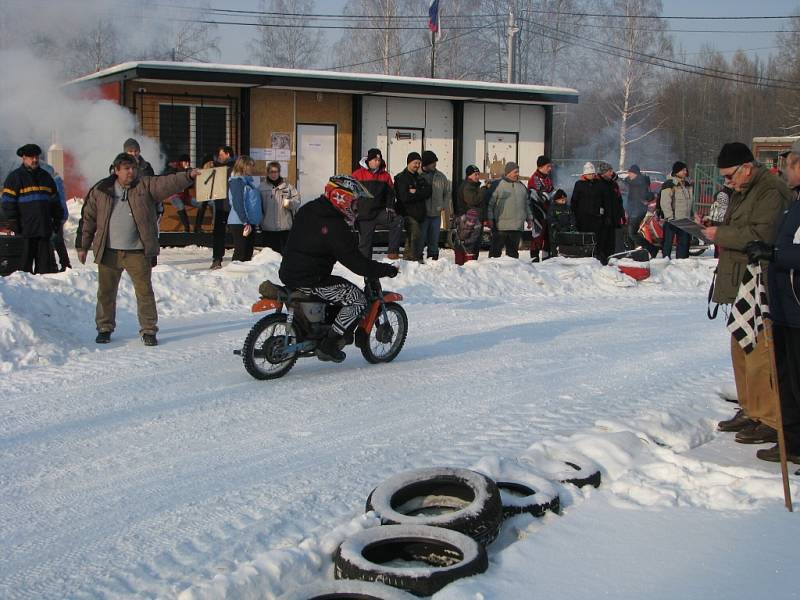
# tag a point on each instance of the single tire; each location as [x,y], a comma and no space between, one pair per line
[262,350]
[584,476]
[519,497]
[378,554]
[346,590]
[452,498]
[387,336]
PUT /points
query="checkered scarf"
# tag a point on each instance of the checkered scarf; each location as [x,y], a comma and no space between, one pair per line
[749,309]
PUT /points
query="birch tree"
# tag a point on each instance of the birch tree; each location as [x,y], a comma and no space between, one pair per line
[286,41]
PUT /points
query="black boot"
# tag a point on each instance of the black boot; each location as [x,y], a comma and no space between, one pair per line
[329,350]
[184,220]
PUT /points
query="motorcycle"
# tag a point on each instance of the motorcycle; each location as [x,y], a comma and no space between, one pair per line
[300,322]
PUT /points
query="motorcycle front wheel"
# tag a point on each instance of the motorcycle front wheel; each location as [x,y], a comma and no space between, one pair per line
[264,353]
[387,336]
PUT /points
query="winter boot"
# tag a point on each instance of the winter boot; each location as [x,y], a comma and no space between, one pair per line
[328,349]
[774,455]
[184,220]
[760,434]
[149,339]
[103,337]
[737,423]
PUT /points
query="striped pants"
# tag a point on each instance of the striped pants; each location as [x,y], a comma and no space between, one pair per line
[340,292]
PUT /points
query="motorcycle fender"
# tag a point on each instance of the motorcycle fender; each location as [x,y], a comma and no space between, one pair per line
[266,304]
[392,297]
[369,319]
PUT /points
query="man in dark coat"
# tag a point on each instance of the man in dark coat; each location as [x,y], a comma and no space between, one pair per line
[612,211]
[638,196]
[588,204]
[784,309]
[412,191]
[31,204]
[322,235]
[469,193]
[378,210]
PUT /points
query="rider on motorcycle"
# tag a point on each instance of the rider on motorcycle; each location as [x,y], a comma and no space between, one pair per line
[321,235]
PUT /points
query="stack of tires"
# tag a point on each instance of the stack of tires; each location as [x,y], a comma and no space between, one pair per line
[436,524]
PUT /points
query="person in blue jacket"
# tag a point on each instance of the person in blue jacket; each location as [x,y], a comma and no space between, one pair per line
[246,211]
[784,308]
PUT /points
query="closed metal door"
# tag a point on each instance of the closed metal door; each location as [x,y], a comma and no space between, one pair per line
[501,147]
[402,141]
[316,159]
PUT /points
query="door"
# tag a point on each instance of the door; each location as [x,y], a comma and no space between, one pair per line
[401,142]
[501,147]
[316,159]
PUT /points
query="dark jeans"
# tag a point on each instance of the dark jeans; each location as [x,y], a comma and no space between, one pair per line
[430,235]
[787,359]
[218,236]
[275,240]
[606,242]
[509,239]
[366,228]
[38,250]
[242,246]
[413,246]
[61,249]
[683,241]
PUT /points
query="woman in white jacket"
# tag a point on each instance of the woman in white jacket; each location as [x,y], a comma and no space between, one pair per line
[280,201]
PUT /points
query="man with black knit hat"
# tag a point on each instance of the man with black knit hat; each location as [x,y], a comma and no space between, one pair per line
[380,209]
[759,199]
[31,204]
[437,206]
[676,201]
[412,191]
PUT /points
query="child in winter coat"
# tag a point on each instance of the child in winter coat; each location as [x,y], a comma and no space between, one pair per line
[560,217]
[467,239]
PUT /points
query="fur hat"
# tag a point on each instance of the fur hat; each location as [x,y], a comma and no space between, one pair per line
[428,158]
[510,166]
[29,150]
[734,154]
[679,166]
[588,169]
[542,161]
[603,166]
[413,156]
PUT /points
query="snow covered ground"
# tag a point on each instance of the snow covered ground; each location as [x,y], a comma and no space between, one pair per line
[128,471]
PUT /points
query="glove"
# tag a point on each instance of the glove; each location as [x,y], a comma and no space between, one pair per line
[392,271]
[758,251]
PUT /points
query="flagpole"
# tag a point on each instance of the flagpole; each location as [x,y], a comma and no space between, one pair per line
[433,54]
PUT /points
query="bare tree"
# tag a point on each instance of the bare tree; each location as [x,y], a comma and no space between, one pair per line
[630,100]
[194,42]
[284,41]
[93,48]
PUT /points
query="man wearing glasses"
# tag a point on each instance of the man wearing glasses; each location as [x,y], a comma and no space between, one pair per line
[759,198]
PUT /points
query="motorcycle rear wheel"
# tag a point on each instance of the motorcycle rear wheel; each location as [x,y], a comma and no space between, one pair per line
[387,336]
[262,350]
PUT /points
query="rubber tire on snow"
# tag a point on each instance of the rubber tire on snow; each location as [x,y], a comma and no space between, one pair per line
[452,555]
[480,519]
[583,476]
[533,502]
[346,589]
[364,341]
[249,347]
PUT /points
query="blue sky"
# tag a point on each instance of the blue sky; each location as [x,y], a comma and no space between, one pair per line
[234,38]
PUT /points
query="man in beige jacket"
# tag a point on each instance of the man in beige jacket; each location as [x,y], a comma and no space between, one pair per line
[119,225]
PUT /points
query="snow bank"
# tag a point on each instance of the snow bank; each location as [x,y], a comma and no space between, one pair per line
[45,319]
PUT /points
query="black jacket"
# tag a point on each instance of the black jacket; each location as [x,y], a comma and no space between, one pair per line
[470,196]
[408,204]
[613,212]
[318,239]
[31,204]
[784,272]
[587,200]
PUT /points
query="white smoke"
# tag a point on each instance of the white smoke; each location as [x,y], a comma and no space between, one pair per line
[35,108]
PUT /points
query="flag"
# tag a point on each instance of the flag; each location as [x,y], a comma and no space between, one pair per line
[433,16]
[749,309]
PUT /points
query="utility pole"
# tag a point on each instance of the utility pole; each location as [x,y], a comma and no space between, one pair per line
[512,29]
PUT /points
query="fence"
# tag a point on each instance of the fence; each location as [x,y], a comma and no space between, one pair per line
[707,182]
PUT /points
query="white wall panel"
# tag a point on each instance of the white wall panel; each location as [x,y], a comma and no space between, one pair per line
[473,136]
[373,124]
[502,117]
[405,112]
[439,133]
[531,138]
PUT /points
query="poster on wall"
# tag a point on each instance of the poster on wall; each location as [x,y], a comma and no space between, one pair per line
[281,141]
[212,184]
[266,154]
[283,154]
[284,168]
